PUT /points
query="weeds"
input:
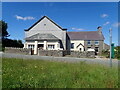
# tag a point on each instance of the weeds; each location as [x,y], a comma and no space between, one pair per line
[18,73]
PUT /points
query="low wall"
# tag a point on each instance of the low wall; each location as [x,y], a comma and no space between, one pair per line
[64,53]
[82,54]
[90,54]
[23,51]
[56,53]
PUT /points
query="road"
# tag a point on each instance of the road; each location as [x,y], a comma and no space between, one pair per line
[66,59]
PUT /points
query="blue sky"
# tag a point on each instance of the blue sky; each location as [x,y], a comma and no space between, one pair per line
[75,16]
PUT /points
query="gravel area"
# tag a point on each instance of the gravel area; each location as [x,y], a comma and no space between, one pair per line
[66,59]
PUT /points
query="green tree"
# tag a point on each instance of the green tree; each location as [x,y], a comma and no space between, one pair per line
[3,29]
[4,41]
[117,52]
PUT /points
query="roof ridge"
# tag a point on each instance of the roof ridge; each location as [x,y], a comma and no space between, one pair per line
[85,35]
[42,19]
[84,31]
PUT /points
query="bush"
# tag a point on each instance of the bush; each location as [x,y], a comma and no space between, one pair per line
[106,53]
[12,43]
[117,52]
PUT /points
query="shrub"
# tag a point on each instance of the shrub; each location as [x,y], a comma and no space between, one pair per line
[106,53]
[117,52]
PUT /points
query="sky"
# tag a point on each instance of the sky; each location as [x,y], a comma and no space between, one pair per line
[75,16]
[60,0]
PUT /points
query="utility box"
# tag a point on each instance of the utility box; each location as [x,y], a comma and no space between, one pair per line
[112,51]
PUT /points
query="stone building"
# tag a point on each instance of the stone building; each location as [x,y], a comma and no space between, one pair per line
[83,41]
[45,34]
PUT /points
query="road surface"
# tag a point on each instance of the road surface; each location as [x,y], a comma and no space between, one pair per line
[66,59]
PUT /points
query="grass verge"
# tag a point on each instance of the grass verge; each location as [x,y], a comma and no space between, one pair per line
[19,73]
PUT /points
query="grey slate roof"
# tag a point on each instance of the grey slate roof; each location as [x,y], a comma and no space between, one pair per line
[39,36]
[88,35]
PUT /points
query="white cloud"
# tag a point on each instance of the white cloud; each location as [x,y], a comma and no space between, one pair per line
[77,28]
[106,23]
[104,15]
[24,18]
[117,24]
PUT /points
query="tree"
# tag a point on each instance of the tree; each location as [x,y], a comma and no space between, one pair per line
[4,40]
[117,52]
[3,29]
[12,43]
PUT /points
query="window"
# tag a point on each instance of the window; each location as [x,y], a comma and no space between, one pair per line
[89,42]
[88,47]
[61,46]
[31,46]
[28,46]
[58,45]
[51,47]
[72,45]
[96,49]
[96,42]
[80,49]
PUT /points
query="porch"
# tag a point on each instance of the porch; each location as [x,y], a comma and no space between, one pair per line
[43,42]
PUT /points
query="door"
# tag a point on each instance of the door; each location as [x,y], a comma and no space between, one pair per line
[96,50]
[40,46]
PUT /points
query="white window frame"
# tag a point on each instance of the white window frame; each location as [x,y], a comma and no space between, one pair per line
[51,46]
[31,46]
[96,41]
[89,41]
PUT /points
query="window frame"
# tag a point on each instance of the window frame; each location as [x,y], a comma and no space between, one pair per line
[97,42]
[51,46]
[88,47]
[72,46]
[31,46]
[88,42]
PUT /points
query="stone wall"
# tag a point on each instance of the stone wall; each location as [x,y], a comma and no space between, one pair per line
[51,53]
[92,45]
[90,54]
[82,54]
[23,51]
[62,53]
[55,53]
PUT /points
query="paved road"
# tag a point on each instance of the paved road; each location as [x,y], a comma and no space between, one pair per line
[67,59]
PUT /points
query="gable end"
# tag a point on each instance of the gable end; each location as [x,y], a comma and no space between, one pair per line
[42,19]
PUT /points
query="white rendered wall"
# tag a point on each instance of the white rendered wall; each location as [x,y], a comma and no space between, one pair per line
[76,43]
[46,43]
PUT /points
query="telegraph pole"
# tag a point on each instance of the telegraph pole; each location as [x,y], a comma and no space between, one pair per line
[110,47]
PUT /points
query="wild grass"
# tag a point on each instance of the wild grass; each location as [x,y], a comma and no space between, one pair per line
[19,73]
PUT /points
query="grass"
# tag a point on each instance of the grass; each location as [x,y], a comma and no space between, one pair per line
[19,73]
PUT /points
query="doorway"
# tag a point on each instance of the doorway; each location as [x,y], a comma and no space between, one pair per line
[96,50]
[40,46]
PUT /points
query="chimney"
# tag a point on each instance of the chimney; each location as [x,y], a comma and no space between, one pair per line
[99,29]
